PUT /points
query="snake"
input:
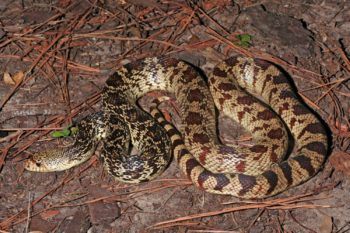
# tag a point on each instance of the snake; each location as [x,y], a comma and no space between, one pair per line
[254,92]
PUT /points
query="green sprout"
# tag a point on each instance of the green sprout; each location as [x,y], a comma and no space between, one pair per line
[66,132]
[244,40]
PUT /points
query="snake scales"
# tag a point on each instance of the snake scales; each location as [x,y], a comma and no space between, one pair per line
[249,172]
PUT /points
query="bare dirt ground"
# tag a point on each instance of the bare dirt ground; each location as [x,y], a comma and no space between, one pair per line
[66,50]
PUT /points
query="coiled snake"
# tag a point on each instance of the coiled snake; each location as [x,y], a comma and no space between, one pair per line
[249,172]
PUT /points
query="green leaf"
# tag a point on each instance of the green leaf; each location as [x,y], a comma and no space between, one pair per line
[62,133]
[244,40]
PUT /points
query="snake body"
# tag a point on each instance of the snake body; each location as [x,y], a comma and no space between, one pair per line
[249,172]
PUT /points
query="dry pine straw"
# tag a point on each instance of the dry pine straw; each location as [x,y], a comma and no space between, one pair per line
[47,45]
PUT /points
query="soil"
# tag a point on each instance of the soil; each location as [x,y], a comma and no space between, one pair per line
[67,49]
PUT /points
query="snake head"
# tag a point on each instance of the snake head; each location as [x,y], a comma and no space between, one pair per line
[36,165]
[48,161]
[59,159]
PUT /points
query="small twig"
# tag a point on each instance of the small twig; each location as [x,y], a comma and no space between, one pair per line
[11,135]
[34,128]
[345,228]
[29,211]
[255,219]
[283,203]
[306,228]
[58,225]
[12,219]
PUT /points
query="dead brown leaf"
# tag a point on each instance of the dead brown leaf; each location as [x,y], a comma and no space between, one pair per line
[326,225]
[18,77]
[49,214]
[8,79]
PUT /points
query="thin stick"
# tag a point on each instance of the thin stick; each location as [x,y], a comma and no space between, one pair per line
[29,211]
[34,128]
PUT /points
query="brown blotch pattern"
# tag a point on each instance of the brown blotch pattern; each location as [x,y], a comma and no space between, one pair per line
[181,153]
[318,147]
[247,109]
[245,100]
[227,86]
[231,61]
[190,164]
[169,62]
[275,133]
[268,79]
[172,132]
[226,150]
[284,107]
[258,128]
[287,94]
[177,143]
[266,115]
[279,79]
[200,138]
[203,154]
[274,155]
[314,128]
[263,64]
[259,149]
[194,118]
[240,166]
[247,183]
[195,95]
[212,80]
[221,181]
[240,115]
[287,172]
[203,176]
[187,76]
[227,96]
[190,74]
[305,163]
[300,110]
[272,92]
[221,101]
[272,179]
[292,122]
[219,72]
[265,126]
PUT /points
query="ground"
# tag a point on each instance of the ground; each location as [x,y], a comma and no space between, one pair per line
[56,55]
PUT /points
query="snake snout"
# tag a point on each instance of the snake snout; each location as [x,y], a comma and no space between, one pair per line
[35,165]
